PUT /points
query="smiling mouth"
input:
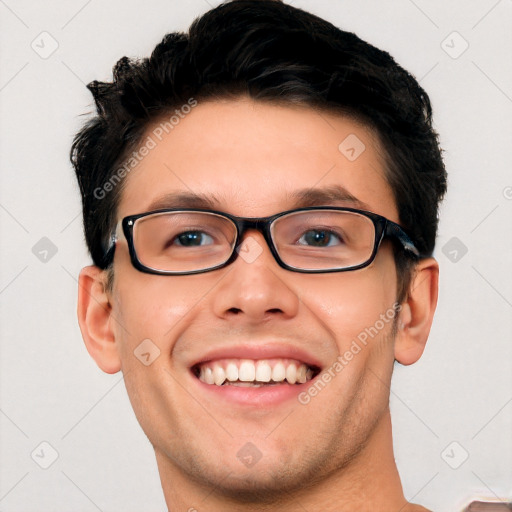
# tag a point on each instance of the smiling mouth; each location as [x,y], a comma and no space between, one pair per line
[254,373]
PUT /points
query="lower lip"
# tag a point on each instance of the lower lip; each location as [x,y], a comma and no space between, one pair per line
[254,396]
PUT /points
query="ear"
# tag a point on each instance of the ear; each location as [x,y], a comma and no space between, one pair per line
[94,318]
[417,312]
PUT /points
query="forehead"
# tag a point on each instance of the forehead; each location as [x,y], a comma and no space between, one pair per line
[252,158]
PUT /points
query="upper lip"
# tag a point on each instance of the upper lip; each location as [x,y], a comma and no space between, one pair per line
[259,351]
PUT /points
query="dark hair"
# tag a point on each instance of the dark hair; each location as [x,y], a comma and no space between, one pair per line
[271,52]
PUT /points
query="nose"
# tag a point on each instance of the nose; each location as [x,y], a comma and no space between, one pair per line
[255,288]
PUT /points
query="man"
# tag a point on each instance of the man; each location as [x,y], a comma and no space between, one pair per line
[260,201]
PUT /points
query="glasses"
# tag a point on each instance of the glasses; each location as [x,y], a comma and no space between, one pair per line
[311,240]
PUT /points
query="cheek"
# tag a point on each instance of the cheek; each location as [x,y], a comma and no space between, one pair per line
[351,303]
[157,308]
[150,305]
[151,313]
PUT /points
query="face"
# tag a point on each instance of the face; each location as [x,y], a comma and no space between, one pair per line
[253,159]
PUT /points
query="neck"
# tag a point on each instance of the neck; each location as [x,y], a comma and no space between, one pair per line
[370,482]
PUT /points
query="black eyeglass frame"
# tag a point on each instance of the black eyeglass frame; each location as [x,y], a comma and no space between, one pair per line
[384,228]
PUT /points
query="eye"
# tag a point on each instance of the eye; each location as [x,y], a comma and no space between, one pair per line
[320,238]
[192,239]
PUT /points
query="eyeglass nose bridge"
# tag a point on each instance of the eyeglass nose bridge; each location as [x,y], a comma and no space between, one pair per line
[262,225]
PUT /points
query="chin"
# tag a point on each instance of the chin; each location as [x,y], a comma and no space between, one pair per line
[270,479]
[260,486]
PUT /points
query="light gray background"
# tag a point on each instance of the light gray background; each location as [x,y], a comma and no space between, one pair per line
[460,391]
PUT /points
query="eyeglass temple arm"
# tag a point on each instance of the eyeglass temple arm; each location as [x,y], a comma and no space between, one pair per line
[111,246]
[396,231]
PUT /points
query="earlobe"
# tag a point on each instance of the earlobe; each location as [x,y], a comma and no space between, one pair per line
[94,318]
[417,312]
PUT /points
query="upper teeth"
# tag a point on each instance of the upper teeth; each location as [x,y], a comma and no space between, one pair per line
[250,371]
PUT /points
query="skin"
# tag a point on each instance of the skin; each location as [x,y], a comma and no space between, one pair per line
[335,453]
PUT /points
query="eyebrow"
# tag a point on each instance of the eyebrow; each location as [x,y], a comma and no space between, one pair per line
[303,198]
[185,200]
[326,196]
